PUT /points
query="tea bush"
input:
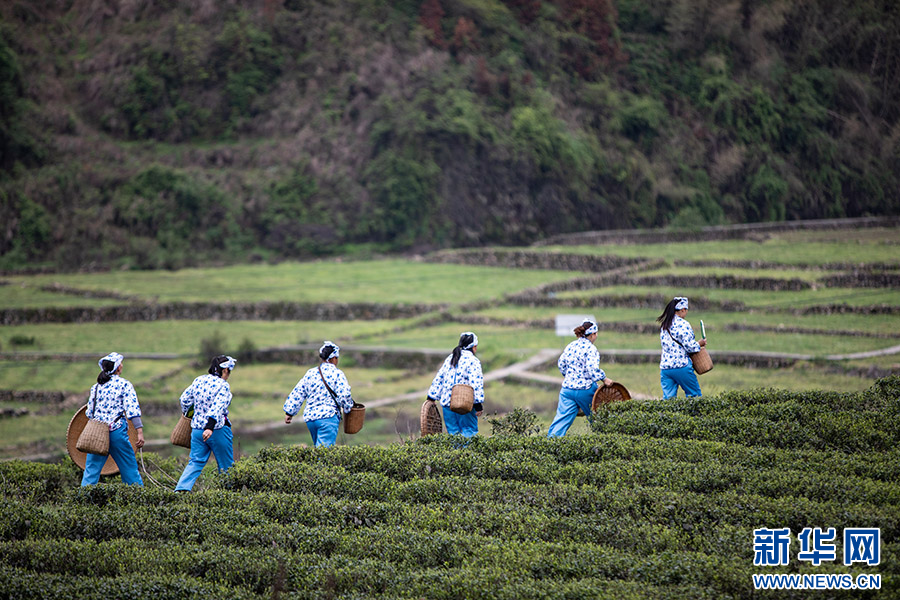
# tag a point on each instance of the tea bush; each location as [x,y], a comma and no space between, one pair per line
[611,514]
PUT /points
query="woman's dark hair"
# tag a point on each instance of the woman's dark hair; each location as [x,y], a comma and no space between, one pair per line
[668,315]
[106,374]
[579,331]
[464,340]
[214,368]
[326,352]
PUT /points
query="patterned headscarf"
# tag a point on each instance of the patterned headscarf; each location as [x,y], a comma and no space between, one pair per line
[592,329]
[680,302]
[336,353]
[228,364]
[115,358]
[474,340]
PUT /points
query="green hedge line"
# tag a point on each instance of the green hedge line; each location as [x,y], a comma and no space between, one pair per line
[606,515]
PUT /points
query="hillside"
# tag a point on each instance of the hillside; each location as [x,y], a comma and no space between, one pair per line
[163,134]
[660,501]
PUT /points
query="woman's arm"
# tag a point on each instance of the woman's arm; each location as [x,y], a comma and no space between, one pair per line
[187,399]
[295,400]
[683,333]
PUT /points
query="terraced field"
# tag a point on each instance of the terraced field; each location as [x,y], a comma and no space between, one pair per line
[793,310]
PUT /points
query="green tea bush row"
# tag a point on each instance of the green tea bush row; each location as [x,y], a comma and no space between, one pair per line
[21,584]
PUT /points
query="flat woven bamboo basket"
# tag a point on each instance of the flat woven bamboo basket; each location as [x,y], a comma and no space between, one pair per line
[430,421]
[607,394]
[76,426]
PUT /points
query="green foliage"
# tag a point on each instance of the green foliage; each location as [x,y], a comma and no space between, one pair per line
[767,192]
[544,117]
[174,213]
[164,98]
[641,118]
[295,222]
[211,346]
[19,141]
[31,228]
[246,351]
[519,421]
[403,189]
[608,514]
[245,59]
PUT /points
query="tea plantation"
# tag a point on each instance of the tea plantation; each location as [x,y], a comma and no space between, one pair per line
[660,500]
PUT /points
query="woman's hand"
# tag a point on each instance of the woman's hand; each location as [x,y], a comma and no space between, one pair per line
[608,382]
[140,436]
[207,433]
[479,413]
[288,418]
[702,342]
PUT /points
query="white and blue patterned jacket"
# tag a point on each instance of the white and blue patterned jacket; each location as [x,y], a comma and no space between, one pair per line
[113,400]
[210,395]
[673,355]
[580,365]
[319,402]
[467,372]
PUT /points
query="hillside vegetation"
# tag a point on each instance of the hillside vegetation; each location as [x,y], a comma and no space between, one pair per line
[165,134]
[643,507]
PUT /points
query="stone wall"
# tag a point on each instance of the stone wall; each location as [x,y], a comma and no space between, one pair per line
[719,232]
[523,259]
[255,311]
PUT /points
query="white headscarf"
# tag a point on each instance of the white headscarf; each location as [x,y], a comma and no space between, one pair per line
[680,302]
[228,364]
[115,358]
[336,353]
[474,340]
[592,329]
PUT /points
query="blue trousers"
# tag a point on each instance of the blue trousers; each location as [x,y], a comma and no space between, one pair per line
[121,451]
[324,431]
[569,402]
[457,424]
[670,379]
[219,443]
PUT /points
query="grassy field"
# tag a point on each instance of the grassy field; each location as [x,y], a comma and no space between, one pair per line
[800,248]
[771,300]
[388,281]
[62,357]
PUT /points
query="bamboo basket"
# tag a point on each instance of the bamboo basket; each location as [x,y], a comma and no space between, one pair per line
[702,361]
[73,431]
[353,421]
[607,394]
[94,438]
[462,398]
[430,421]
[181,435]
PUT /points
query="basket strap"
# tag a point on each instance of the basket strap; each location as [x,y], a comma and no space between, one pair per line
[331,391]
[92,403]
[680,344]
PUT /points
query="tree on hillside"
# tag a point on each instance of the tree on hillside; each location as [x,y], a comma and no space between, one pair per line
[430,15]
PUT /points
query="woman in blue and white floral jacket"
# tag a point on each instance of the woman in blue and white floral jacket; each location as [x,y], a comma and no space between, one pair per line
[580,366]
[678,343]
[461,366]
[323,410]
[114,401]
[210,396]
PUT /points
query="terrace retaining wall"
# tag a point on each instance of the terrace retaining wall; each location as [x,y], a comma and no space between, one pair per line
[206,311]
